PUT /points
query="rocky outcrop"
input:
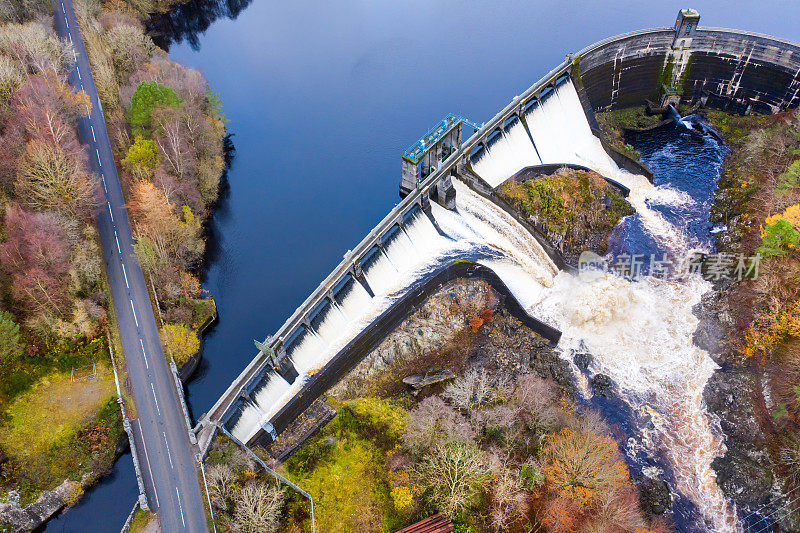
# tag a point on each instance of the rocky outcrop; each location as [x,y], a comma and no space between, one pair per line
[436,322]
[463,325]
[20,518]
[744,473]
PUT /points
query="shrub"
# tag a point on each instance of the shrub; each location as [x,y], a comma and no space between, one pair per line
[530,475]
[401,497]
[777,237]
[181,342]
[791,178]
[10,343]
[142,158]
[147,98]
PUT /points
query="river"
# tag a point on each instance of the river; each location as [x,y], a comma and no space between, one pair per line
[322,99]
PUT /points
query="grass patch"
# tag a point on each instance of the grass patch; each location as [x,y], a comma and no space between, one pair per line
[88,450]
[141,521]
[51,355]
[52,428]
[202,310]
[612,126]
[344,469]
[58,404]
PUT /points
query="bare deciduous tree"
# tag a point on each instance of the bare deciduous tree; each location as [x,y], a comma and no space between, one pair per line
[52,179]
[220,485]
[257,508]
[434,422]
[454,471]
[473,389]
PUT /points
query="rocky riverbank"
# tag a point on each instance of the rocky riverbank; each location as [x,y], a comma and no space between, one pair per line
[746,326]
[461,327]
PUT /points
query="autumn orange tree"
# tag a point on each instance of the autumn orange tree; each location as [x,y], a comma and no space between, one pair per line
[580,465]
[163,237]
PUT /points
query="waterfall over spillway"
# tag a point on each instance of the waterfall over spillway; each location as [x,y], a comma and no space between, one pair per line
[639,333]
[559,133]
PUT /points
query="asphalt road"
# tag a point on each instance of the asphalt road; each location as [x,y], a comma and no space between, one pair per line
[167,460]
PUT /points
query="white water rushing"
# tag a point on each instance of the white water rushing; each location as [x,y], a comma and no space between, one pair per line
[639,333]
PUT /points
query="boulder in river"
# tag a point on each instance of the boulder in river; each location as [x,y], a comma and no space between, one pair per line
[602,385]
[654,495]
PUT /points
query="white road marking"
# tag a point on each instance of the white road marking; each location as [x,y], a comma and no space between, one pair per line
[104,185]
[154,398]
[119,250]
[62,8]
[93,137]
[109,211]
[147,457]
[67,21]
[70,38]
[168,452]
[180,506]
[134,314]
[98,156]
[144,353]
[126,275]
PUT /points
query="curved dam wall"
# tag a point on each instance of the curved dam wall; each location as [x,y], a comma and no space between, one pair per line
[371,337]
[730,69]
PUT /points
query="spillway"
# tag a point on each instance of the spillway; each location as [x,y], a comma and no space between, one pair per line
[269,391]
[640,333]
[380,272]
[244,422]
[353,299]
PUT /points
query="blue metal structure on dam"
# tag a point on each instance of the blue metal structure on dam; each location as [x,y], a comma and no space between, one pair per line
[423,158]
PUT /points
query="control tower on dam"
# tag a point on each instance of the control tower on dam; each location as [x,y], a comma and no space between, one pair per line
[550,123]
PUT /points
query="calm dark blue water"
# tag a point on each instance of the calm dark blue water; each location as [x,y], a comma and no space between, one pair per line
[105,507]
[322,98]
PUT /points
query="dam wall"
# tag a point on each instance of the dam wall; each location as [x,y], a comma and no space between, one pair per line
[728,69]
[731,69]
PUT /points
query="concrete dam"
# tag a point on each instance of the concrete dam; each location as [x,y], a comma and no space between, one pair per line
[447,214]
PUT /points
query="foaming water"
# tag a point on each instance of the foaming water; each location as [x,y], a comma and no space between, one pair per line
[639,332]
